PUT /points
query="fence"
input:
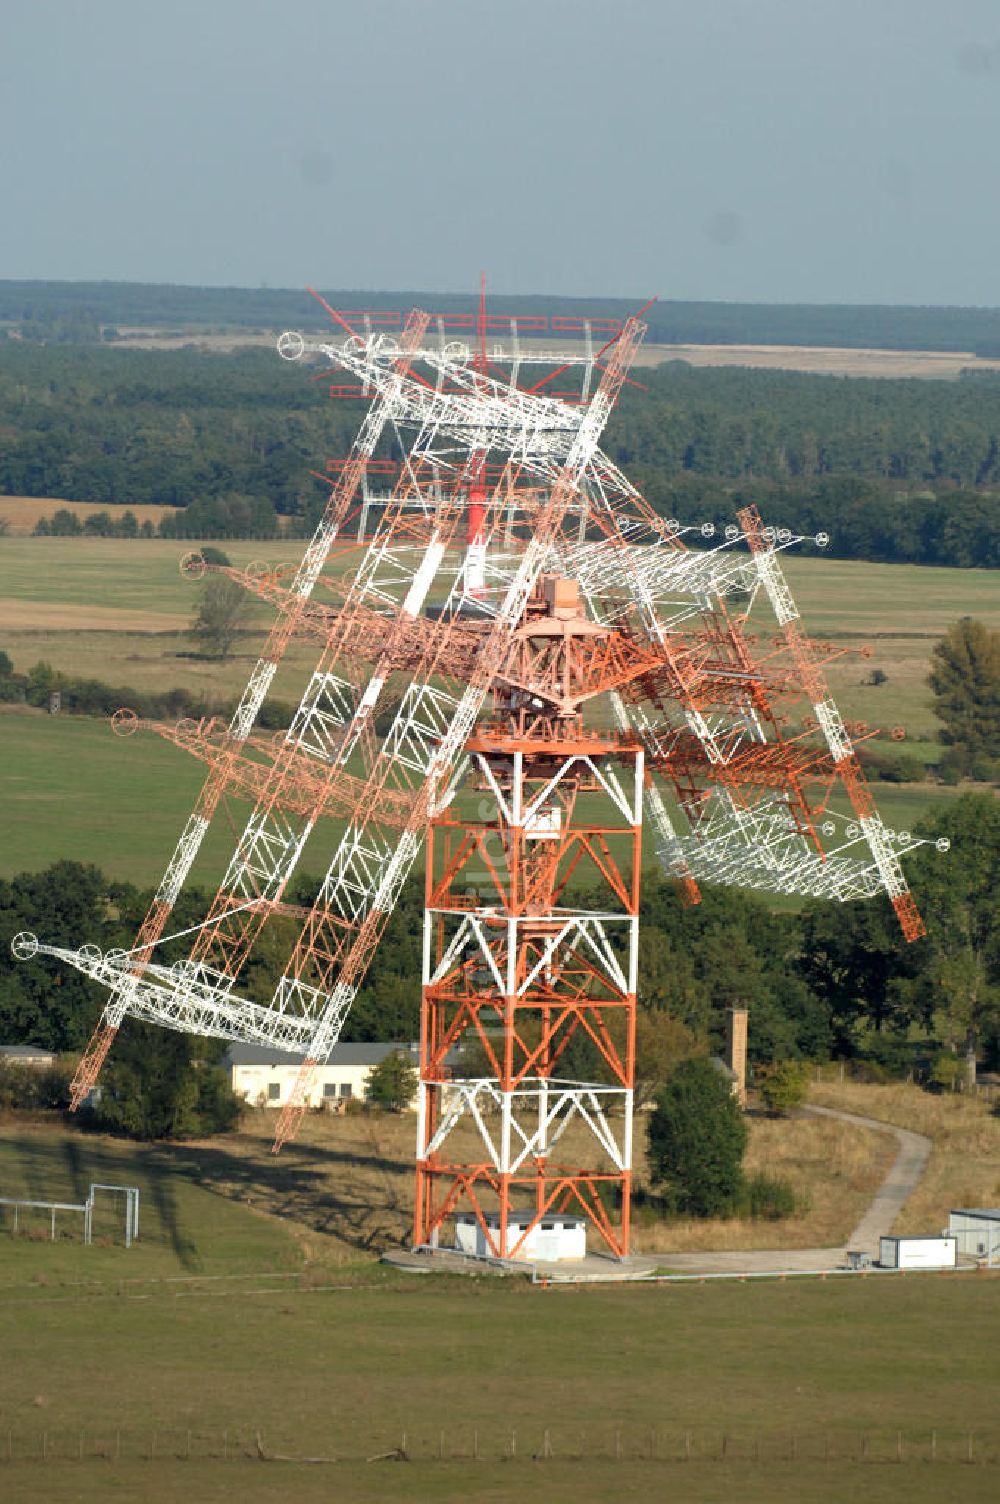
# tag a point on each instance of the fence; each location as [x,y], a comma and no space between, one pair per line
[21,1204]
[866,1073]
[654,1446]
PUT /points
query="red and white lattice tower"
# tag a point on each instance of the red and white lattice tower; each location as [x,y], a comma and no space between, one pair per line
[549,663]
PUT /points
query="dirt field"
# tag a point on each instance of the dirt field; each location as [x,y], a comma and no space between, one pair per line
[22,512]
[940,365]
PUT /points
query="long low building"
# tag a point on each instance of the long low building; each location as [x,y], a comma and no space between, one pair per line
[265,1077]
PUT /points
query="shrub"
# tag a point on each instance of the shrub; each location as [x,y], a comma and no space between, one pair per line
[768,1198]
[783,1085]
[891,767]
[946,1072]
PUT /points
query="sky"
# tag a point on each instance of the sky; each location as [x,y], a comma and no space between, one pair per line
[746,150]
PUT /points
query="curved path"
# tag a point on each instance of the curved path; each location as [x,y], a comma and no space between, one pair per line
[897,1187]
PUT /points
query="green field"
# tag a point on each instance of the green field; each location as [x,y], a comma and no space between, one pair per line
[213,1329]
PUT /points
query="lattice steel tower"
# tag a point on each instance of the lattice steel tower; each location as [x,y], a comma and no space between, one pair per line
[519,659]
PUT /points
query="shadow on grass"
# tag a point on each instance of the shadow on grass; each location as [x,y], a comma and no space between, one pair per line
[359,1194]
[354,1196]
[50,1167]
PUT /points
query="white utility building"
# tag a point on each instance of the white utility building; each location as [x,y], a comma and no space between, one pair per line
[558,1236]
[917,1253]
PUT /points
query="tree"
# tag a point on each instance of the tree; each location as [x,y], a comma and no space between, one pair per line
[697,1139]
[224,606]
[41,1001]
[160,1084]
[783,1085]
[661,1041]
[213,555]
[959,981]
[965,678]
[392,1083]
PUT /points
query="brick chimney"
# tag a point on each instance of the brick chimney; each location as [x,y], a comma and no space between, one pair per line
[736,1049]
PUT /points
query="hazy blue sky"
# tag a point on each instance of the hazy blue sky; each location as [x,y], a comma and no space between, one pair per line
[823,150]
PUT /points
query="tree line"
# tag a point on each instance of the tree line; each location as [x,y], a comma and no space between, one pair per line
[894,471]
[87,309]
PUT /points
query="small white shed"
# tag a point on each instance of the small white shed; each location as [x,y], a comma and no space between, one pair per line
[917,1253]
[557,1236]
[977,1232]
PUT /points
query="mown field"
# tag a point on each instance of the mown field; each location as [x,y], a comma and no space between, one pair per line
[117,610]
[154,1371]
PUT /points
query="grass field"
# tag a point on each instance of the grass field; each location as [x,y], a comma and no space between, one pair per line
[225,1321]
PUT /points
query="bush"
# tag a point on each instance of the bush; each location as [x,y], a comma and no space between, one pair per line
[946,1073]
[783,1085]
[768,1198]
[25,1088]
[159,1084]
[697,1139]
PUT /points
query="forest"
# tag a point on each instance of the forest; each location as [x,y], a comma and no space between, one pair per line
[893,470]
[82,311]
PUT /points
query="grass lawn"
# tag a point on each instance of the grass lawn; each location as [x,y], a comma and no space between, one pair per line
[249,1307]
[344,1368]
[73,790]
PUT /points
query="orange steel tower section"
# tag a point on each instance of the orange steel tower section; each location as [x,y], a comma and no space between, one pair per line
[529,986]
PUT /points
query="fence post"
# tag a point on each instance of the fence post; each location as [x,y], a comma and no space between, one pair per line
[970,1456]
[475,1446]
[899,1446]
[934,1446]
[687,1446]
[618,1445]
